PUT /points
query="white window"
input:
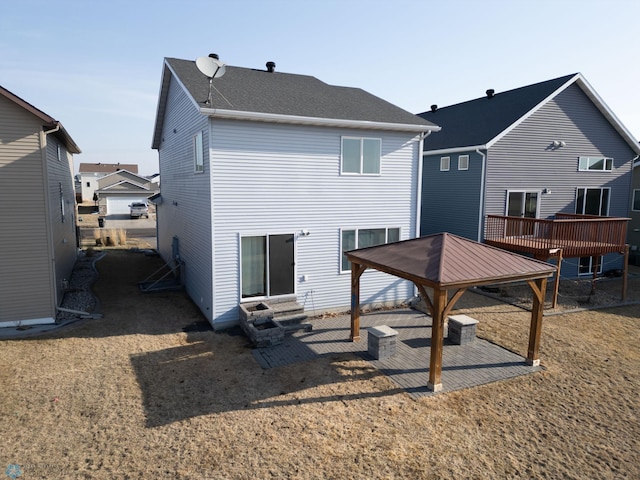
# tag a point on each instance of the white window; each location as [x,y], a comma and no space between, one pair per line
[635,206]
[198,152]
[61,202]
[365,237]
[361,155]
[595,164]
[592,201]
[587,265]
[445,163]
[58,154]
[463,162]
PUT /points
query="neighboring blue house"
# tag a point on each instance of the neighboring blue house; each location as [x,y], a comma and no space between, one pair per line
[534,151]
[268,177]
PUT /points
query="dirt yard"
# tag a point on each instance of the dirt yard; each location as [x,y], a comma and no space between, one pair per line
[134,395]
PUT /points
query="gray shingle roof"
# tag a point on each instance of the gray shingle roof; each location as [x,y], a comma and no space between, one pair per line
[477,122]
[251,90]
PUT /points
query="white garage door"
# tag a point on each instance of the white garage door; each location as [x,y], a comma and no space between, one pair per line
[120,205]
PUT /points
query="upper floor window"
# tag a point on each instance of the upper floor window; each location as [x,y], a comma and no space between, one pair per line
[58,153]
[463,162]
[635,206]
[198,152]
[365,237]
[445,163]
[595,164]
[361,155]
[592,201]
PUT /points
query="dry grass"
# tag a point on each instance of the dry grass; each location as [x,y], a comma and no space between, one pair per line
[133,396]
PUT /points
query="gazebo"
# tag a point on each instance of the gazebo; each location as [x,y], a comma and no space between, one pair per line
[444,262]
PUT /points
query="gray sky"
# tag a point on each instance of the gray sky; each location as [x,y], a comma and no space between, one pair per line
[96,65]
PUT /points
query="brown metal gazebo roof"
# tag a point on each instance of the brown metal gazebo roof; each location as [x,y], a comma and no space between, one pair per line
[447,260]
[442,262]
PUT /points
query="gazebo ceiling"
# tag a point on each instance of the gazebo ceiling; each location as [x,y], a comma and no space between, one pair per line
[448,261]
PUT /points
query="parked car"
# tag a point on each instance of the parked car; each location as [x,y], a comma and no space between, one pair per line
[139,209]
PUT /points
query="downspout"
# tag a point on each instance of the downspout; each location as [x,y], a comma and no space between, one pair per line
[47,209]
[482,193]
[423,135]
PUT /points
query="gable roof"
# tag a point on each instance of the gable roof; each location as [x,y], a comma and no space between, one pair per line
[107,167]
[259,95]
[49,123]
[126,173]
[481,122]
[125,185]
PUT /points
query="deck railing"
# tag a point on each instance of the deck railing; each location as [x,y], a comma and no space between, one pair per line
[576,235]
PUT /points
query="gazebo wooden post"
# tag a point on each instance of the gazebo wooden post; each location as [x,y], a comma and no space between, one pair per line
[539,288]
[625,271]
[556,282]
[356,272]
[437,330]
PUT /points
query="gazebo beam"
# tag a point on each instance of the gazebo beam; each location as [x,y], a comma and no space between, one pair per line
[356,272]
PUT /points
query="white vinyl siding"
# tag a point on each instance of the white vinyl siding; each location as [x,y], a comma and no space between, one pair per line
[185,211]
[278,178]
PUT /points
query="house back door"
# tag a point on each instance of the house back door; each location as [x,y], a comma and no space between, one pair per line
[281,265]
[525,205]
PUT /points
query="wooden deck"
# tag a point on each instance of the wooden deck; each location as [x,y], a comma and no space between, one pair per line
[573,235]
[565,236]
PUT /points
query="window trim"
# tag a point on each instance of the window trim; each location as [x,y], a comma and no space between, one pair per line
[361,172]
[198,152]
[460,163]
[445,164]
[356,230]
[584,164]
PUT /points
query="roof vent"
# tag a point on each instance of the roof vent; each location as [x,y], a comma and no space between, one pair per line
[434,108]
[490,93]
[214,55]
[271,67]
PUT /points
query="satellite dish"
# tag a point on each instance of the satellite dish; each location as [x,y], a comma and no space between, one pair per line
[211,67]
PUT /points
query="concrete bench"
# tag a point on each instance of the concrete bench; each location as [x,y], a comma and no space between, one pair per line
[381,341]
[462,329]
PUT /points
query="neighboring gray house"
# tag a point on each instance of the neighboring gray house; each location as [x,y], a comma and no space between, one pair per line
[534,151]
[90,173]
[266,185]
[634,224]
[38,243]
[117,190]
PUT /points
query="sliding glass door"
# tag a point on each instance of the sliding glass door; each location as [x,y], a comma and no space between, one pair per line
[267,265]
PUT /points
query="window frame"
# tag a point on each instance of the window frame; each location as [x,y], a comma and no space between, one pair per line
[635,198]
[460,162]
[362,141]
[585,163]
[198,152]
[445,164]
[581,271]
[343,260]
[584,202]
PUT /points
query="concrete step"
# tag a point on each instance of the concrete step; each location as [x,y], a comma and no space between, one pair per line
[294,322]
[284,309]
